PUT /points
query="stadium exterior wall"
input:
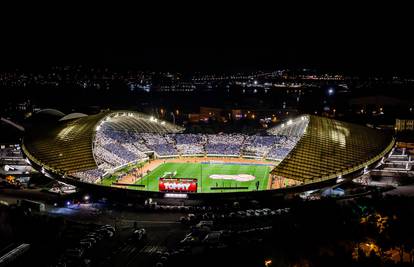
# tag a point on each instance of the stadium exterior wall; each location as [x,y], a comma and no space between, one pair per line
[138,197]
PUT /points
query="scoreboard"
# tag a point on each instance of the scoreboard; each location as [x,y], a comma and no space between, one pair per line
[177,185]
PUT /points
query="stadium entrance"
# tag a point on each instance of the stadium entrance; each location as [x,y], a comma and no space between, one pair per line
[151,155]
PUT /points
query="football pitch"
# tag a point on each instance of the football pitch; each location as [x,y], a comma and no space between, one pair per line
[203,172]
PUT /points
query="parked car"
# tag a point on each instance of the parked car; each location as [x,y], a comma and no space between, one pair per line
[213,238]
[107,233]
[202,224]
[249,213]
[266,211]
[85,244]
[139,234]
[74,253]
[89,239]
[190,240]
[109,227]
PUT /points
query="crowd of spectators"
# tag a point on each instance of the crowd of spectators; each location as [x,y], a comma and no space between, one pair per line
[258,145]
[190,144]
[225,144]
[113,148]
[90,176]
[130,138]
[163,145]
[282,148]
[118,148]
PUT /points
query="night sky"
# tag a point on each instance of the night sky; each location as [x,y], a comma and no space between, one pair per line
[361,42]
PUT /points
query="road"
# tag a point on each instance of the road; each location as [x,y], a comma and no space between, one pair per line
[163,229]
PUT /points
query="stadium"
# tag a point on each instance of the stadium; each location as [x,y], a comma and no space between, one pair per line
[131,153]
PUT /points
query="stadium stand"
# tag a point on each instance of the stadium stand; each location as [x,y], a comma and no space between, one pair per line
[91,176]
[224,144]
[190,144]
[258,145]
[163,145]
[282,147]
[113,149]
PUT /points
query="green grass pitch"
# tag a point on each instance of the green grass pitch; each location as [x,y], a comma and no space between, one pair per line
[196,170]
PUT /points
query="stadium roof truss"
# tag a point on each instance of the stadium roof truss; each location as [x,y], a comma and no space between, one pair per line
[67,146]
[330,149]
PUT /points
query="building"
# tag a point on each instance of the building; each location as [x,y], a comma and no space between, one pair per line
[404,125]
